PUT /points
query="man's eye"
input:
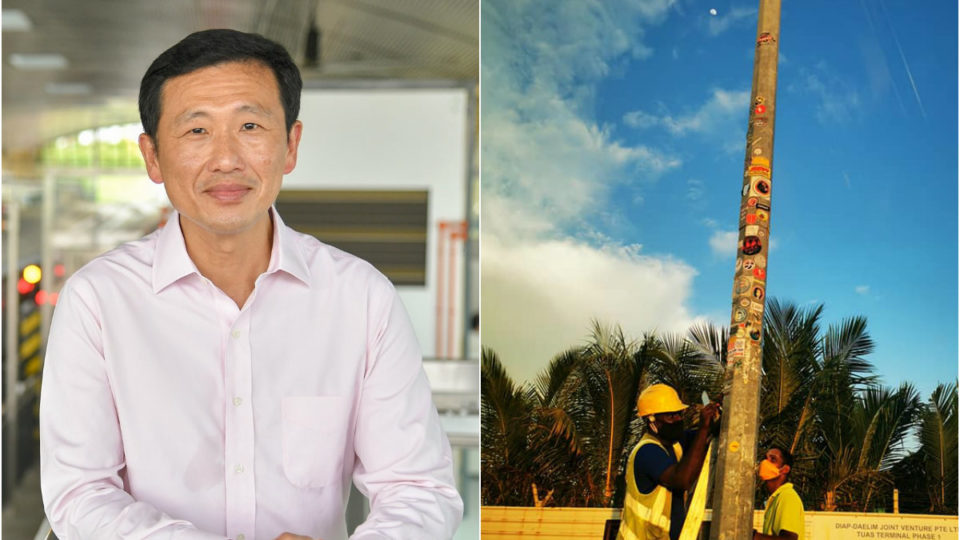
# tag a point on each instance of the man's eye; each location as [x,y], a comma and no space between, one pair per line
[250,125]
[197,131]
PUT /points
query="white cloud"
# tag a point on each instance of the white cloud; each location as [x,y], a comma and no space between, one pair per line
[559,171]
[723,110]
[538,298]
[640,119]
[557,46]
[694,189]
[726,20]
[863,290]
[724,243]
[547,164]
[548,168]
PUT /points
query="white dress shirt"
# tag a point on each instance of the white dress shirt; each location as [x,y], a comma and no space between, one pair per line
[167,412]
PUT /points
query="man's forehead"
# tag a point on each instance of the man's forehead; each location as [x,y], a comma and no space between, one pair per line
[201,92]
[202,112]
[775,452]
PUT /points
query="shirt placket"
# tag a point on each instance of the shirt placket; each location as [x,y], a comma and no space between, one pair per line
[238,430]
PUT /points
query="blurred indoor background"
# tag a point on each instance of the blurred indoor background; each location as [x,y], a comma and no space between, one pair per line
[387,171]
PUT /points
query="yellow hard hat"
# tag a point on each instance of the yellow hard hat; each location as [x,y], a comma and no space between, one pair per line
[658,398]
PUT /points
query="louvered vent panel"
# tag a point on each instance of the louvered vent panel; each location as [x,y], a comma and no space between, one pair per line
[386,228]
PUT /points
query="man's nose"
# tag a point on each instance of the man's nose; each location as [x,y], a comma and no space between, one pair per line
[225,153]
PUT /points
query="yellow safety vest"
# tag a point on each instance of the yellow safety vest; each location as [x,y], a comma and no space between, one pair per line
[646,516]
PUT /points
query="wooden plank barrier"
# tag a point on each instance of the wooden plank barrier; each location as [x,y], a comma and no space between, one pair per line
[509,522]
[502,522]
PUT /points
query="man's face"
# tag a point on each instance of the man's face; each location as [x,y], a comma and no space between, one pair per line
[669,418]
[774,456]
[669,425]
[222,147]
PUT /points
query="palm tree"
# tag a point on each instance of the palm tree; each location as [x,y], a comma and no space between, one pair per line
[884,418]
[506,414]
[570,432]
[711,341]
[586,398]
[555,432]
[791,347]
[809,393]
[689,363]
[938,448]
[842,373]
[608,380]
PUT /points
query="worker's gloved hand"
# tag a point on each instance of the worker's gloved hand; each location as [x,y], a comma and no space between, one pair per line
[710,416]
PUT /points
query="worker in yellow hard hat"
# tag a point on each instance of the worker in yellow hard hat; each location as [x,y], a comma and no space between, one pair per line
[664,465]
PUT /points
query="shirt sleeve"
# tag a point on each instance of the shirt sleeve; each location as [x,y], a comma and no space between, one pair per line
[404,462]
[81,449]
[648,466]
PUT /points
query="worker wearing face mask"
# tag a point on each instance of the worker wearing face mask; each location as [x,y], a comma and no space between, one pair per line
[783,517]
[664,465]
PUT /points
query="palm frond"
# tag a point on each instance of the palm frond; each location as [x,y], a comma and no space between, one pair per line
[790,348]
[938,447]
[888,418]
[551,380]
[562,426]
[845,349]
[709,339]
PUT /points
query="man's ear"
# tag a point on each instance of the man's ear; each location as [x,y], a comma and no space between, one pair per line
[148,149]
[293,143]
[785,470]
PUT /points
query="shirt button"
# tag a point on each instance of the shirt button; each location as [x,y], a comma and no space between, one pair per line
[238,469]
[235,333]
[237,401]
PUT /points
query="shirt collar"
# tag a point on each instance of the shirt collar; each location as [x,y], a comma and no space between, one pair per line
[285,255]
[172,262]
[783,487]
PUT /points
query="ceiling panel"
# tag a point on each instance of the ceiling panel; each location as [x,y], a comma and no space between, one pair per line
[108,45]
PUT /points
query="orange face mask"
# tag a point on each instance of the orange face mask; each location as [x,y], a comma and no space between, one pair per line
[767,470]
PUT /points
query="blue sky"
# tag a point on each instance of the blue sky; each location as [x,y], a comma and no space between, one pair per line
[612,148]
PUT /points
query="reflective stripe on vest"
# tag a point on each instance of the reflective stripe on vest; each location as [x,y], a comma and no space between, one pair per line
[646,516]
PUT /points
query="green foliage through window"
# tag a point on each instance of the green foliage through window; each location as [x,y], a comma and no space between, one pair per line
[111,147]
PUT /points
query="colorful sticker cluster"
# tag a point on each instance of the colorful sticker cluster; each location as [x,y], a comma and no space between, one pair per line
[749,287]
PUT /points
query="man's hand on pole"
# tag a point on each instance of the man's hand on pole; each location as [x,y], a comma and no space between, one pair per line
[710,416]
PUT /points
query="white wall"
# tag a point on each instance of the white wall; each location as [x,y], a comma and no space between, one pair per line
[392,138]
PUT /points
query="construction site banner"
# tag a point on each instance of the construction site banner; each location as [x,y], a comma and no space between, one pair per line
[837,525]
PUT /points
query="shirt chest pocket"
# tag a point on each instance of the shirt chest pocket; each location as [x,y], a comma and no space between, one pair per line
[314,437]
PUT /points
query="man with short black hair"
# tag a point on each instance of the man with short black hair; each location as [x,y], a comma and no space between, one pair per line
[226,376]
[783,517]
